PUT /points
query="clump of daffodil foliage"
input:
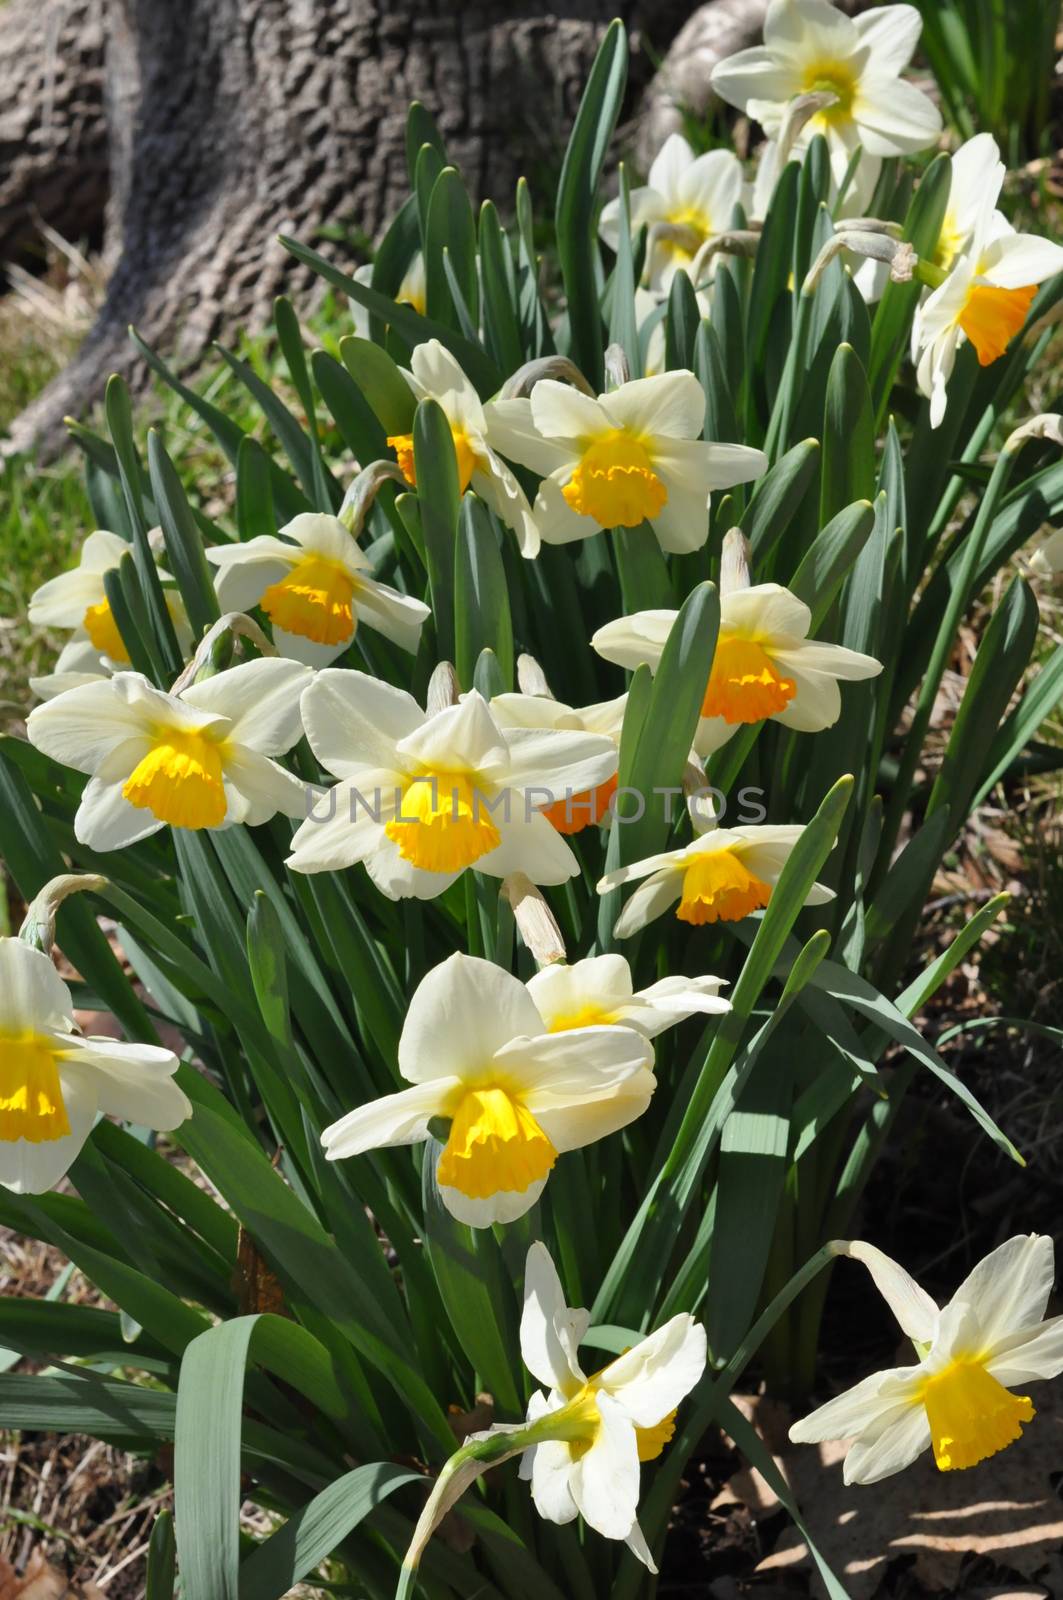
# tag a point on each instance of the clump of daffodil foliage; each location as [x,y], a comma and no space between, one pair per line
[512,823]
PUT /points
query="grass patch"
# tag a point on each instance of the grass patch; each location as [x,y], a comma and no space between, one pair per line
[43,517]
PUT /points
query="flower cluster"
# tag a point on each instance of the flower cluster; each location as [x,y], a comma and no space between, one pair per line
[350,680]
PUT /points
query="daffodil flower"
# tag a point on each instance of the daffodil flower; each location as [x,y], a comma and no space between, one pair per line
[422,797]
[723,876]
[808,47]
[971,1353]
[575,811]
[474,1051]
[54,1080]
[600,991]
[614,1420]
[986,277]
[687,201]
[765,664]
[412,291]
[628,456]
[315,587]
[77,600]
[435,375]
[197,759]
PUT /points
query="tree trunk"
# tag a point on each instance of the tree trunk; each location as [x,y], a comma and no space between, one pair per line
[233,120]
[53,132]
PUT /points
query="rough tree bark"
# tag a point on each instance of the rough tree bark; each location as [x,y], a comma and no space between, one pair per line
[231,120]
[53,131]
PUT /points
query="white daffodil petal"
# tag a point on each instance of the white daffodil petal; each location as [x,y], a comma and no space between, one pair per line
[551,1481]
[554,517]
[894,117]
[261,699]
[460,738]
[354,722]
[32,994]
[438,372]
[63,601]
[915,1311]
[399,617]
[546,1344]
[577,1123]
[504,1206]
[397,1119]
[649,1380]
[561,412]
[1021,259]
[605,1483]
[630,641]
[240,585]
[767,610]
[809,29]
[1008,1290]
[1036,1353]
[813,657]
[105,819]
[670,406]
[669,165]
[890,1449]
[682,524]
[461,1013]
[83,727]
[636,1543]
[499,489]
[754,74]
[320,534]
[562,991]
[890,34]
[649,901]
[863,1406]
[266,788]
[346,824]
[817,703]
[557,760]
[400,879]
[297,647]
[558,1071]
[512,432]
[133,1081]
[695,464]
[529,844]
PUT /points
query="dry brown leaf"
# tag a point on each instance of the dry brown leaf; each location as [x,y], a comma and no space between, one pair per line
[1006,1509]
[748,1487]
[257,1286]
[42,1581]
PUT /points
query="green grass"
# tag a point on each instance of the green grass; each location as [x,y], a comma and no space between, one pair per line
[45,512]
[43,517]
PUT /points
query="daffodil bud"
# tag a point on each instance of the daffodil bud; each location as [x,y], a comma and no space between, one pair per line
[362,492]
[558,368]
[617,370]
[214,653]
[1047,425]
[734,562]
[443,689]
[531,679]
[38,925]
[535,921]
